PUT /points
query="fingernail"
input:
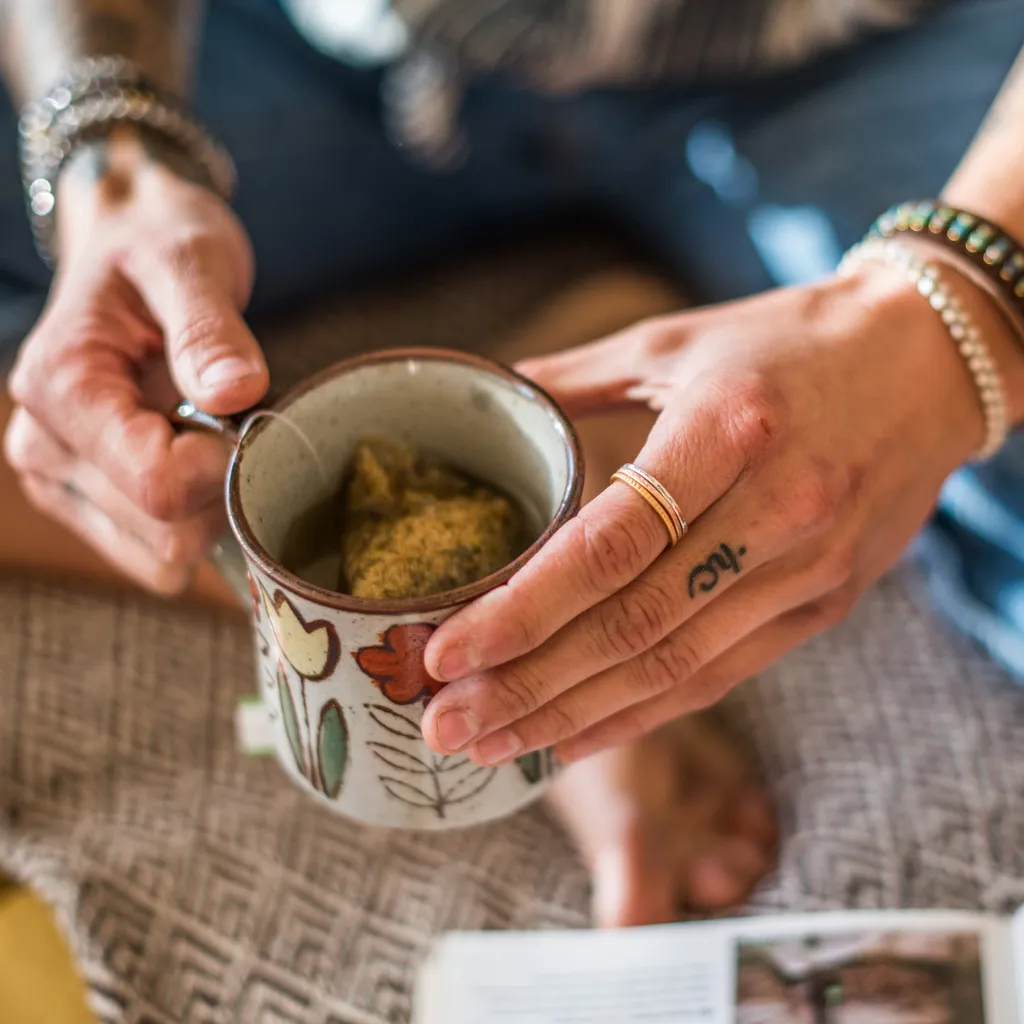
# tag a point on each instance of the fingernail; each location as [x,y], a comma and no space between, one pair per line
[458,662]
[227,371]
[456,728]
[499,747]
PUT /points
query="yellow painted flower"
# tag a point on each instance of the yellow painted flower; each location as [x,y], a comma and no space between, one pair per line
[311,648]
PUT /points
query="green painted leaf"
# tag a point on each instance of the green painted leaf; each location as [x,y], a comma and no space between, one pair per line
[332,744]
[535,766]
[291,722]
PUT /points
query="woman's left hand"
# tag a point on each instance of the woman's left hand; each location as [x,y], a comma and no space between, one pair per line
[805,434]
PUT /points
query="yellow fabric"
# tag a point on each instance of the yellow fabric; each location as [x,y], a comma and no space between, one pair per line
[38,980]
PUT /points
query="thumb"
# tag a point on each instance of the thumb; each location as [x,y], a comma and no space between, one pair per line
[212,355]
[592,378]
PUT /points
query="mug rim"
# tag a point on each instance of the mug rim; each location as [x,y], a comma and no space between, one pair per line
[251,546]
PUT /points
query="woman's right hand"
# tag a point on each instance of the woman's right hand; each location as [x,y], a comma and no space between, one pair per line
[153,272]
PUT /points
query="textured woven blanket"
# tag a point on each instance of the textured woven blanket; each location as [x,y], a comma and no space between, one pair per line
[197,885]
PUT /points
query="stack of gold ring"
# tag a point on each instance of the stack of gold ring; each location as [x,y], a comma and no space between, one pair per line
[657,497]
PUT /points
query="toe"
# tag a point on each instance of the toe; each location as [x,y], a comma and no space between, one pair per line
[754,819]
[723,875]
[634,883]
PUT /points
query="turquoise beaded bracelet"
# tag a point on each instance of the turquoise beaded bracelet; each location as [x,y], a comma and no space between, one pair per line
[985,245]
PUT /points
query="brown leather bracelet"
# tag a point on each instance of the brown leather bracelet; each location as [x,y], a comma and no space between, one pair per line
[984,245]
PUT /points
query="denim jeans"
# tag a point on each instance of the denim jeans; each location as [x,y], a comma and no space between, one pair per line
[733,189]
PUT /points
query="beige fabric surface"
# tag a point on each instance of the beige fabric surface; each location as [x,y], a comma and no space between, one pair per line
[199,886]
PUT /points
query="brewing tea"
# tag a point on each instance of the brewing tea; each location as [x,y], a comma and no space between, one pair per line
[414,526]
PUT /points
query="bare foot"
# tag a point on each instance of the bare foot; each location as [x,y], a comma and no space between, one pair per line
[671,822]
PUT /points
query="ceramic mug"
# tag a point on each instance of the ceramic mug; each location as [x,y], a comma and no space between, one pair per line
[342,685]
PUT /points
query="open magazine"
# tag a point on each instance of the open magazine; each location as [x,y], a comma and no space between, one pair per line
[859,967]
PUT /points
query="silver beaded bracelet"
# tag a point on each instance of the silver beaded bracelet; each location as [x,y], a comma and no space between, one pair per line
[97,94]
[927,278]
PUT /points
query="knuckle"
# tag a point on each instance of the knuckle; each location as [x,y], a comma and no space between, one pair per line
[39,496]
[178,546]
[656,335]
[611,549]
[614,634]
[169,581]
[755,417]
[712,686]
[628,625]
[562,718]
[837,567]
[19,384]
[522,627]
[70,385]
[182,253]
[158,495]
[517,693]
[830,610]
[671,662]
[812,501]
[193,338]
[47,498]
[631,724]
[32,375]
[18,447]
[617,730]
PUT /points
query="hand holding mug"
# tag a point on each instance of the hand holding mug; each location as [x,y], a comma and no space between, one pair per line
[805,435]
[153,273]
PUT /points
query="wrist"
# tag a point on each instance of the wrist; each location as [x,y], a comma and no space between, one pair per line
[102,178]
[124,152]
[1002,338]
[105,107]
[917,359]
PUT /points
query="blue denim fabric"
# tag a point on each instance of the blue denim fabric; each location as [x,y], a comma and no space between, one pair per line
[733,189]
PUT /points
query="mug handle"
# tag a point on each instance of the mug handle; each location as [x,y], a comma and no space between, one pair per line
[231,428]
[225,553]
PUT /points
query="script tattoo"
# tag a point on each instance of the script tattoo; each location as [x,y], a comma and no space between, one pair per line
[705,576]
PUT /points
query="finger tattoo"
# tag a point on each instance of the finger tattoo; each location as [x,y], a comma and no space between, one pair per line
[705,575]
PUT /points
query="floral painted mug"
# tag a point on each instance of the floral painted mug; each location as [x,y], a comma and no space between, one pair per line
[342,685]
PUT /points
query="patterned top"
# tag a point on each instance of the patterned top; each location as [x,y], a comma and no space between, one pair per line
[560,45]
[564,44]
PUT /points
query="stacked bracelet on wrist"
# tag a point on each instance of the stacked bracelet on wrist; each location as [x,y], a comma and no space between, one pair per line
[97,94]
[972,348]
[990,255]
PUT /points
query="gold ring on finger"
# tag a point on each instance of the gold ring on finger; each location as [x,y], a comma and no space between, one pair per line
[657,496]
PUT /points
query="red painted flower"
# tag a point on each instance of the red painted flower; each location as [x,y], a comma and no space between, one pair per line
[396,664]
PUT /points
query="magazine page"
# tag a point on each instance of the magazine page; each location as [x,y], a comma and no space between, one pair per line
[1017,953]
[896,967]
[926,967]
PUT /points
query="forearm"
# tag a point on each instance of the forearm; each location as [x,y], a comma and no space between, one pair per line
[990,178]
[40,39]
[990,183]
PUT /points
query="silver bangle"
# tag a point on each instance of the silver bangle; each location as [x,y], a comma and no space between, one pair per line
[927,279]
[97,94]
